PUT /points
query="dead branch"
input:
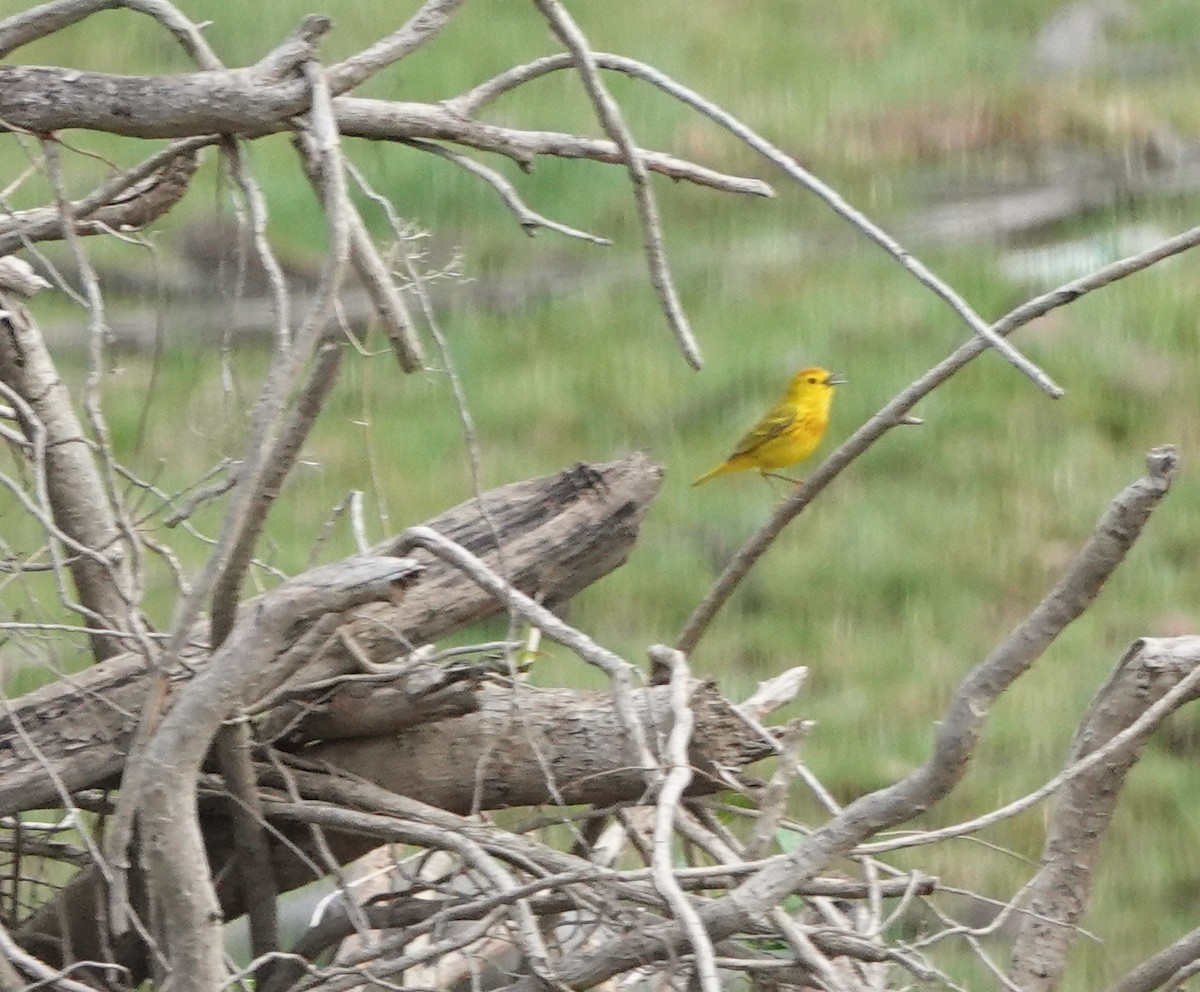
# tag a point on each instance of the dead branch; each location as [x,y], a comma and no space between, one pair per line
[580,735]
[957,735]
[894,412]
[608,113]
[69,481]
[1084,807]
[561,533]
[127,201]
[1165,967]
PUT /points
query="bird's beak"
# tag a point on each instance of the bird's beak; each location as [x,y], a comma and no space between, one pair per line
[836,379]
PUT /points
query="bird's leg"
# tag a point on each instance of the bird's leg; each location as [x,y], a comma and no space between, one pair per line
[784,478]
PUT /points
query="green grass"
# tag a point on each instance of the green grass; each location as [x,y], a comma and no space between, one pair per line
[920,557]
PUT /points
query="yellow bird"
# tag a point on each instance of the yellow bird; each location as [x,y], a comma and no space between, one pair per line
[790,432]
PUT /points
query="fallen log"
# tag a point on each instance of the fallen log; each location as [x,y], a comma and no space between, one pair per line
[559,533]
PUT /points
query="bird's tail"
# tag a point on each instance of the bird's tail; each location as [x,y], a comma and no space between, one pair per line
[719,470]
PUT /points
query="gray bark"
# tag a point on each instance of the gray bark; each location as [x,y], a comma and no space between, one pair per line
[560,533]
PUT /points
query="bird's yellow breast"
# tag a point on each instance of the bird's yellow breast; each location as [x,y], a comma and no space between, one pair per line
[792,445]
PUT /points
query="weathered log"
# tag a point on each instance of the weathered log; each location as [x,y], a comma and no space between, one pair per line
[499,755]
[579,736]
[559,533]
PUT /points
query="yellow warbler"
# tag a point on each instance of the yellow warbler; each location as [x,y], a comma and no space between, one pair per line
[790,432]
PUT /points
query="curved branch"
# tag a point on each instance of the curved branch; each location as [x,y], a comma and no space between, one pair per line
[957,735]
[611,119]
[529,220]
[895,411]
[1153,671]
[44,20]
[518,75]
[128,200]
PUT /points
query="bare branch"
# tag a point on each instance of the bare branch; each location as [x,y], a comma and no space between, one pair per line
[670,795]
[432,16]
[611,119]
[128,200]
[253,850]
[46,19]
[73,486]
[529,220]
[389,302]
[955,742]
[1163,671]
[894,412]
[1163,967]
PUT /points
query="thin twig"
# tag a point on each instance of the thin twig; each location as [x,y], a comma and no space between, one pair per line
[613,123]
[530,220]
[619,671]
[893,412]
[678,777]
[493,88]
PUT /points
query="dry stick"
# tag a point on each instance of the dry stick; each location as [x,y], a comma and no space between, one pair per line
[420,28]
[619,671]
[280,380]
[1167,668]
[372,272]
[184,31]
[383,120]
[126,574]
[174,164]
[893,412]
[42,21]
[774,800]
[530,220]
[520,74]
[71,496]
[252,849]
[1160,969]
[280,461]
[957,735]
[1133,734]
[609,115]
[39,439]
[678,777]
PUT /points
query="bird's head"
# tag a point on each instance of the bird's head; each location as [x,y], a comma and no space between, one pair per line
[815,380]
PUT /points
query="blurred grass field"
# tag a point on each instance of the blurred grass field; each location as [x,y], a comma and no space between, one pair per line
[919,558]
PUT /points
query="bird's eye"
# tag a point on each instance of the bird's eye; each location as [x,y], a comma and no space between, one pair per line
[812,380]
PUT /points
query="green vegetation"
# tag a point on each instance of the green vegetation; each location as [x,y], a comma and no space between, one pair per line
[922,555]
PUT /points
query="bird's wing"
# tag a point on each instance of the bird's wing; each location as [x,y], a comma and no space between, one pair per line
[771,426]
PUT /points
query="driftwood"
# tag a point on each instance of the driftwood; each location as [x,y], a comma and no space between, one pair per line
[560,533]
[517,734]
